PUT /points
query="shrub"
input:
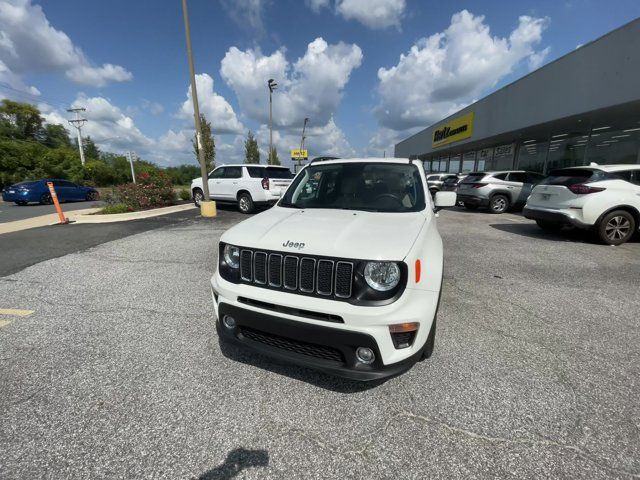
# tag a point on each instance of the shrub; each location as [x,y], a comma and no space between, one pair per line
[115,208]
[153,190]
[184,194]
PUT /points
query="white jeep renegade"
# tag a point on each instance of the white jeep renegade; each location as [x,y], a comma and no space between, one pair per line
[342,275]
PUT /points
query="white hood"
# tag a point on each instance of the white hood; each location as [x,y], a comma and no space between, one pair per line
[339,233]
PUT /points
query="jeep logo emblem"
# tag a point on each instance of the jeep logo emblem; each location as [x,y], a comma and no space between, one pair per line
[289,243]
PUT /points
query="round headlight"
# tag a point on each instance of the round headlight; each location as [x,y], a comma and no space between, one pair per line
[382,276]
[232,256]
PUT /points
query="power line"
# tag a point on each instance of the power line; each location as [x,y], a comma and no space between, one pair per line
[33,97]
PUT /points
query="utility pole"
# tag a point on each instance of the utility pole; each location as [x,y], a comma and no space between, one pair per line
[272,86]
[207,207]
[304,126]
[78,124]
[133,173]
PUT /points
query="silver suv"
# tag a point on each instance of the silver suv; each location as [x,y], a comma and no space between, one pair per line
[498,191]
[435,181]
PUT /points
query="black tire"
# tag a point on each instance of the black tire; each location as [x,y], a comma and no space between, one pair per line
[470,206]
[499,204]
[245,203]
[616,227]
[45,199]
[549,226]
[92,196]
[22,204]
[197,196]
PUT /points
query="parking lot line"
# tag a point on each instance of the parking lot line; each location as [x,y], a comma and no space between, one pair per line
[4,323]
[15,312]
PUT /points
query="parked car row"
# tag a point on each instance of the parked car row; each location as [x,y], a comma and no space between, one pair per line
[38,192]
[604,199]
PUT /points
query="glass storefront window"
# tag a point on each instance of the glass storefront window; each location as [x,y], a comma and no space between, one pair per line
[454,164]
[566,151]
[468,162]
[614,145]
[485,158]
[443,164]
[532,154]
[502,158]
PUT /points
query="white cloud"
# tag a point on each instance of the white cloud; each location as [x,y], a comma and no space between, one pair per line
[372,13]
[310,87]
[29,44]
[536,59]
[217,110]
[317,5]
[246,13]
[444,72]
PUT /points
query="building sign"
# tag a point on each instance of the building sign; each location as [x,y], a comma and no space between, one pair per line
[298,154]
[453,131]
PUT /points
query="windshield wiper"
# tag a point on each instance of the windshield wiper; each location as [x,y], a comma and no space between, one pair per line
[288,205]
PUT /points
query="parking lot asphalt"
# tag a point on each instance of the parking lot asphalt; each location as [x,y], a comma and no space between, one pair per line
[118,373]
[10,212]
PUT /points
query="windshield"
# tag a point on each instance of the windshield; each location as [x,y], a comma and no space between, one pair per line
[379,187]
[275,172]
[473,177]
[571,176]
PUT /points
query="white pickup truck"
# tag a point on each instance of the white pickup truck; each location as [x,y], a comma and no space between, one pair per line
[246,185]
[342,275]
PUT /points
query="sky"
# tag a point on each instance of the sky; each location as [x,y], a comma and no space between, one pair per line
[367,73]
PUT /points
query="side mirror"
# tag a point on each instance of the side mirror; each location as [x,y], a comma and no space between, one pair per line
[445,199]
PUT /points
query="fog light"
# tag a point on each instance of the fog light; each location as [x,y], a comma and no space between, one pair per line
[365,355]
[229,321]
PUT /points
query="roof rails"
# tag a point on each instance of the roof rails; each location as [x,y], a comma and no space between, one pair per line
[323,159]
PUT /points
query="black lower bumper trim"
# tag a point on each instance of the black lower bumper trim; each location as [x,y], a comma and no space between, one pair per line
[555,217]
[473,200]
[327,349]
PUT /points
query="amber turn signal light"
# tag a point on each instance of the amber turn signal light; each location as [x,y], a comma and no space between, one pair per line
[404,327]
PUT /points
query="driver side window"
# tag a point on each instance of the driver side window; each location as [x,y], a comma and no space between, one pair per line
[218,173]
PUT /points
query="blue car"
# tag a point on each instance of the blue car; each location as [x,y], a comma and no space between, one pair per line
[38,192]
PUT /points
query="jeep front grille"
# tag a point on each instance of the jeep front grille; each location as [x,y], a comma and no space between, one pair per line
[302,274]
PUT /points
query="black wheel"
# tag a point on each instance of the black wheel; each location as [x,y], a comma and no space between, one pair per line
[198,196]
[470,206]
[498,204]
[92,196]
[431,341]
[45,199]
[22,204]
[549,226]
[245,203]
[616,227]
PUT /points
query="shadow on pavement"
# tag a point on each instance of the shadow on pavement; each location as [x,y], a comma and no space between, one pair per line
[280,367]
[531,230]
[236,461]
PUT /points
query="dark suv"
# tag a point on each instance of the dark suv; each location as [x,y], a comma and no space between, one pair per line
[498,191]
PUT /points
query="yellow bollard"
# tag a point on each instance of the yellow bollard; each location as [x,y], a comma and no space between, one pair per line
[208,208]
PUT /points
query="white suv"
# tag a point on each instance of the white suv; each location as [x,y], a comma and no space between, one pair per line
[342,275]
[603,198]
[246,185]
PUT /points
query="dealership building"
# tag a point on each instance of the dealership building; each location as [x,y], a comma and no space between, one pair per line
[583,107]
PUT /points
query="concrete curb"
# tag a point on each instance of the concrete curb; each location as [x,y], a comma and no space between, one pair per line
[125,217]
[42,220]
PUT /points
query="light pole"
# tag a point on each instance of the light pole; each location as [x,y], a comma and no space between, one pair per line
[207,207]
[272,86]
[304,126]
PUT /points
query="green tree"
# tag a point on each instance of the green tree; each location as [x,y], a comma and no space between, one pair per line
[91,150]
[20,120]
[208,144]
[251,152]
[55,135]
[273,157]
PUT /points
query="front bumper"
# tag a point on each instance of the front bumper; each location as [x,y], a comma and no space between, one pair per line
[17,196]
[322,348]
[566,217]
[360,322]
[473,200]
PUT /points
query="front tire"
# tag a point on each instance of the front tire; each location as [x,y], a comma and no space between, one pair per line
[245,203]
[22,204]
[498,204]
[198,196]
[45,199]
[92,196]
[470,206]
[616,227]
[431,341]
